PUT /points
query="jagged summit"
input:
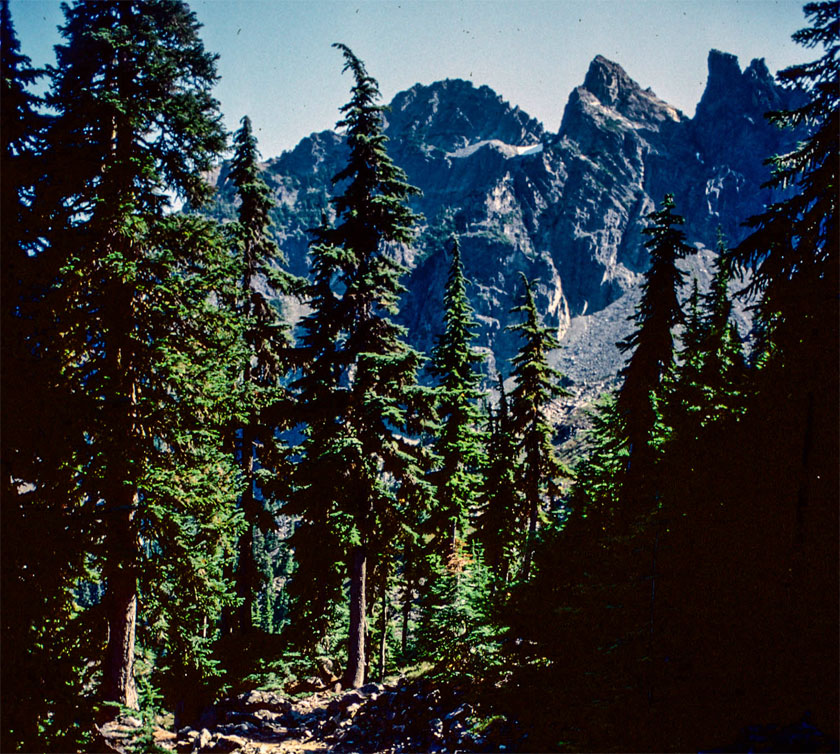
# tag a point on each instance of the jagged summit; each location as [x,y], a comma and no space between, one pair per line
[735,103]
[566,209]
[609,96]
[609,82]
[453,114]
[727,87]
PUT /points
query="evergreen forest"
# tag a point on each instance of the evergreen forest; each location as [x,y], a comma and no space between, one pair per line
[225,529]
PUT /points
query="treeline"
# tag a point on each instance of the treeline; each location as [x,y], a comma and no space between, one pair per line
[193,488]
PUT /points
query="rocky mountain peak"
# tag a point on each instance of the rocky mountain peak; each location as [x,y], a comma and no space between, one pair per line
[608,81]
[729,89]
[567,210]
[610,85]
[729,124]
[724,70]
[453,114]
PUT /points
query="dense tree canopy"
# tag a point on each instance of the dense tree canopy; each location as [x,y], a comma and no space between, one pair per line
[213,495]
[453,364]
[358,387]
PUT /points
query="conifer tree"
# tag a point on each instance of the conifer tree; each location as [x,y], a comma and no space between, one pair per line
[793,247]
[20,131]
[722,371]
[597,477]
[706,382]
[268,342]
[357,389]
[143,347]
[792,252]
[502,509]
[652,345]
[39,563]
[536,386]
[458,445]
[23,272]
[684,396]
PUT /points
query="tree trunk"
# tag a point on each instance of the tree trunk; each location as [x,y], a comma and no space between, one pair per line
[453,539]
[355,675]
[406,612]
[533,498]
[246,568]
[121,610]
[529,543]
[245,582]
[383,629]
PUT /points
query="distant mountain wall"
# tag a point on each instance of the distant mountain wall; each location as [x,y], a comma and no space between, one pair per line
[565,208]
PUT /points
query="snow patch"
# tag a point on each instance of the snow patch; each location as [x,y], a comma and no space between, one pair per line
[508,150]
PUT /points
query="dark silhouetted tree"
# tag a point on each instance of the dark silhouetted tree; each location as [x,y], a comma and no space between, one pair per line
[458,444]
[358,392]
[652,347]
[537,384]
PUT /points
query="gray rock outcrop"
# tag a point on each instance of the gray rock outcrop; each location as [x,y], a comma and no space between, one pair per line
[566,209]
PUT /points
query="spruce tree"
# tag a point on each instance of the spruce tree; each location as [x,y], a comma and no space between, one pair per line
[358,392]
[266,358]
[502,511]
[792,250]
[39,562]
[458,445]
[20,130]
[652,346]
[597,485]
[722,371]
[684,397]
[536,386]
[24,273]
[793,408]
[143,347]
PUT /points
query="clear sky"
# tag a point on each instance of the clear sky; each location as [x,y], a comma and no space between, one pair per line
[277,66]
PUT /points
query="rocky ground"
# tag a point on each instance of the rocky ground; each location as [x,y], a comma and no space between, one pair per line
[398,716]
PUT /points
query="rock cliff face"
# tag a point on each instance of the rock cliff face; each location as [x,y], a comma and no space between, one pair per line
[565,208]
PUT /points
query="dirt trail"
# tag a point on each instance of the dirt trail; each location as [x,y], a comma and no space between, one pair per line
[398,716]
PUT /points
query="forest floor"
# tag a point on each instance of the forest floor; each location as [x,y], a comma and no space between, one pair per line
[400,715]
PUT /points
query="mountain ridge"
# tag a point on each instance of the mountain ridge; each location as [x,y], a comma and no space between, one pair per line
[565,208]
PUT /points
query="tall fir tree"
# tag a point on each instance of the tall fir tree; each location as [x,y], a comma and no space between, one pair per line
[144,349]
[458,444]
[537,384]
[793,408]
[268,342]
[502,511]
[652,347]
[24,273]
[792,250]
[358,390]
[723,370]
[38,561]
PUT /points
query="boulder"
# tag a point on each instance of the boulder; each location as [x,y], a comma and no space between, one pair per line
[229,743]
[269,700]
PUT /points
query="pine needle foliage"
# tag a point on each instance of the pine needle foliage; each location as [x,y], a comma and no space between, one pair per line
[537,385]
[359,470]
[454,365]
[266,360]
[144,348]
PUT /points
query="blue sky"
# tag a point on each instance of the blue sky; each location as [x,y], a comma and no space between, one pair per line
[277,66]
